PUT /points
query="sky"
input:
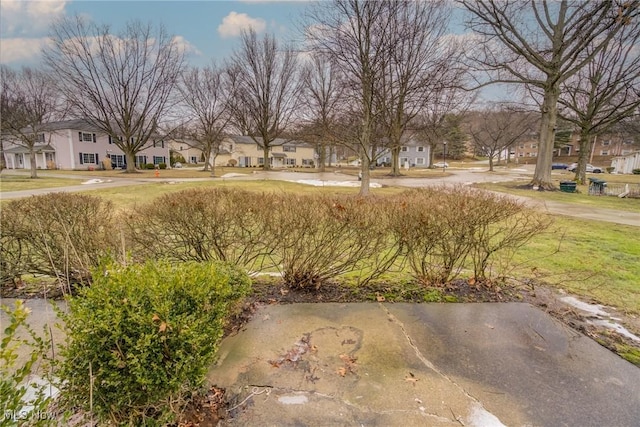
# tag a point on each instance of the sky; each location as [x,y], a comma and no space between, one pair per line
[209,29]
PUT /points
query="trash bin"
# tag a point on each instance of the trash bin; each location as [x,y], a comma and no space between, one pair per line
[596,186]
[568,186]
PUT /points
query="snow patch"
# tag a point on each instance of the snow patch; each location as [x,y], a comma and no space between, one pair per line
[233,175]
[616,327]
[480,417]
[594,309]
[93,181]
[297,399]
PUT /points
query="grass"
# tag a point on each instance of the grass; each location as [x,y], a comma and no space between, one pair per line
[24,182]
[595,259]
[581,198]
[123,197]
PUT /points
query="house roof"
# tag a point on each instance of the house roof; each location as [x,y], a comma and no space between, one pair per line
[244,139]
[38,148]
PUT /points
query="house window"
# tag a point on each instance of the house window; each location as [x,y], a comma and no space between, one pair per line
[193,159]
[404,148]
[403,160]
[158,159]
[605,143]
[87,137]
[141,161]
[118,161]
[520,154]
[521,147]
[40,138]
[158,144]
[528,154]
[604,152]
[290,162]
[90,158]
[625,152]
[307,162]
[419,160]
[260,160]
[627,142]
[534,145]
[288,149]
[420,150]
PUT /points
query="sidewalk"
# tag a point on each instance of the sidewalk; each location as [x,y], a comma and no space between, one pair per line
[377,364]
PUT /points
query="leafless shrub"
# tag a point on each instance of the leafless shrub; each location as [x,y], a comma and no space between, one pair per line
[443,230]
[321,237]
[203,225]
[60,235]
[500,226]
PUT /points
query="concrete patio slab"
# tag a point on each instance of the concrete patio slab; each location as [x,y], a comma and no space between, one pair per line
[421,364]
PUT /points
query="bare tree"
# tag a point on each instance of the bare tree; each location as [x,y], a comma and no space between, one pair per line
[321,95]
[205,95]
[433,123]
[419,60]
[495,129]
[355,35]
[122,84]
[542,44]
[29,102]
[265,85]
[604,92]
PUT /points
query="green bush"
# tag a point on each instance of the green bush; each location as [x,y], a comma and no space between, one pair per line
[636,171]
[61,235]
[14,376]
[149,166]
[162,165]
[142,337]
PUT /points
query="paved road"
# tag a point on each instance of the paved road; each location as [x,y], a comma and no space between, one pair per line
[456,177]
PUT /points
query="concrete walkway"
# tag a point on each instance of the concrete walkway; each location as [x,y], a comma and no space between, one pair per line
[421,364]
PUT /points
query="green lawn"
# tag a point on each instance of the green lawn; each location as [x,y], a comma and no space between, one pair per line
[24,182]
[594,259]
[581,198]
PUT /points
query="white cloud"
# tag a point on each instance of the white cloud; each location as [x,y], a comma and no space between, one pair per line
[184,45]
[21,50]
[234,23]
[29,18]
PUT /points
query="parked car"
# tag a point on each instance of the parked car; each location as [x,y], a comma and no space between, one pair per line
[441,165]
[562,166]
[589,169]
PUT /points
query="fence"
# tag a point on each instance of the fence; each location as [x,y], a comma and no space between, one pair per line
[617,189]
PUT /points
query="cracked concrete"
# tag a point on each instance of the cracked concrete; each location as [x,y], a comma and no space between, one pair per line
[421,364]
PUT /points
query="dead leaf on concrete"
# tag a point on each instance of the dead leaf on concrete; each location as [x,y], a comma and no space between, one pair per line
[380,298]
[411,379]
[342,371]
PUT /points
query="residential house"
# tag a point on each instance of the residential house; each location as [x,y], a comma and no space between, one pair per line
[414,153]
[77,145]
[244,152]
[626,163]
[187,149]
[605,147]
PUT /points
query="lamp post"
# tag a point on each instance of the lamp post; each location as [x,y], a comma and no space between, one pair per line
[444,157]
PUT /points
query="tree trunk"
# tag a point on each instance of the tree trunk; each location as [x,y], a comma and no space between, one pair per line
[395,161]
[366,177]
[585,148]
[265,152]
[490,163]
[131,162]
[542,174]
[322,156]
[32,160]
[207,155]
